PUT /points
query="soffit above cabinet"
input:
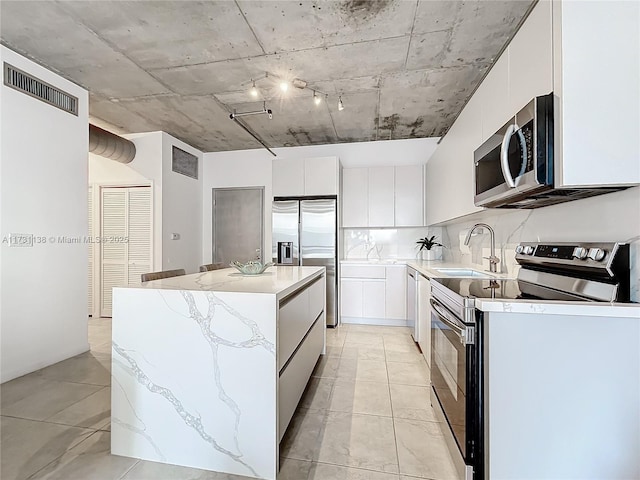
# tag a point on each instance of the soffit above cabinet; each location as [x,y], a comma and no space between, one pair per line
[402,69]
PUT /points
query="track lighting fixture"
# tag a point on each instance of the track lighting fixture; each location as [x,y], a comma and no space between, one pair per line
[340,104]
[316,98]
[284,86]
[254,90]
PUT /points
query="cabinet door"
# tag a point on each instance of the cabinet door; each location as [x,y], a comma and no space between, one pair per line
[395,293]
[355,187]
[531,58]
[424,317]
[381,197]
[373,299]
[494,97]
[351,298]
[321,176]
[408,196]
[288,177]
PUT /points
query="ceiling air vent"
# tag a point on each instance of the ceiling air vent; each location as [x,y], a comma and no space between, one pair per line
[25,83]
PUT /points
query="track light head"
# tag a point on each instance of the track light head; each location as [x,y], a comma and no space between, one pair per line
[316,98]
[340,104]
[254,90]
[284,86]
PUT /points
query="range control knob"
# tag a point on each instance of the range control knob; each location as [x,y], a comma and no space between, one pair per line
[580,253]
[519,249]
[597,254]
[527,250]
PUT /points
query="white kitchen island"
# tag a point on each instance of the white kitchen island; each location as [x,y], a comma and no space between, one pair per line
[208,368]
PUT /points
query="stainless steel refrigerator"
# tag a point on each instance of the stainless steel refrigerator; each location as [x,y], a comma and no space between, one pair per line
[305,233]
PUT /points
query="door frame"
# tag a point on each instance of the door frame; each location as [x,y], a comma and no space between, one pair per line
[213,221]
[97,188]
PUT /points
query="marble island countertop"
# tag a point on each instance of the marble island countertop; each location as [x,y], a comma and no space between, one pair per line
[277,280]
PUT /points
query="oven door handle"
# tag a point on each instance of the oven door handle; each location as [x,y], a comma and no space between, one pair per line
[504,155]
[444,316]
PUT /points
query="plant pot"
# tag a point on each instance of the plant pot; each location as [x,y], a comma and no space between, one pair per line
[429,255]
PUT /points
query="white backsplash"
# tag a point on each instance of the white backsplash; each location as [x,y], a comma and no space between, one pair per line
[610,217]
[385,242]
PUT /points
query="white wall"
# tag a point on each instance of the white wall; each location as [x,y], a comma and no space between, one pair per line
[181,211]
[243,168]
[43,192]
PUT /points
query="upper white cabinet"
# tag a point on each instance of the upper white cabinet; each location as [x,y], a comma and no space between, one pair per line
[409,185]
[355,191]
[382,197]
[596,48]
[588,55]
[305,177]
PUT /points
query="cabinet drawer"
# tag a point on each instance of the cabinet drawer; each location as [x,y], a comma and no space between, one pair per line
[295,376]
[362,271]
[316,297]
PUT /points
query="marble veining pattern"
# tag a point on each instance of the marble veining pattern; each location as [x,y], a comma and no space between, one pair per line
[232,343]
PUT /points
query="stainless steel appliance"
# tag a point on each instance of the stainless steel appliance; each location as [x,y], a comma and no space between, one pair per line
[514,168]
[305,233]
[596,272]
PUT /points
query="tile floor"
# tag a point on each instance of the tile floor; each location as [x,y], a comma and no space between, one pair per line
[364,416]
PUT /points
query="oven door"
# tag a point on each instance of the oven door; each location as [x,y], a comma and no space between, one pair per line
[449,356]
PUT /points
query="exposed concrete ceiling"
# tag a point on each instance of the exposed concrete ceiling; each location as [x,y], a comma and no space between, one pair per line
[404,69]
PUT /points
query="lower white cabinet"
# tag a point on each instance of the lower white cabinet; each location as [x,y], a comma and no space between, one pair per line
[424,317]
[374,294]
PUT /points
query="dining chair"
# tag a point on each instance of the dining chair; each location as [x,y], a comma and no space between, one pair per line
[147,277]
[211,266]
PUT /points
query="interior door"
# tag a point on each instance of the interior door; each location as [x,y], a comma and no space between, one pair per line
[125,240]
[238,224]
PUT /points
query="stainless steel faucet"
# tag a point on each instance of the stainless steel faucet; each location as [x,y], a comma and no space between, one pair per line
[493,260]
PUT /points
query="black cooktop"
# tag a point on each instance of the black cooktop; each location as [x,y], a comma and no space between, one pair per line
[503,289]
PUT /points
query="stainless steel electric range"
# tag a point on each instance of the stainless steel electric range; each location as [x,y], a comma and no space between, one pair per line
[594,272]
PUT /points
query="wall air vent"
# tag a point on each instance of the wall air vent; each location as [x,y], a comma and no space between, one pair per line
[184,163]
[25,83]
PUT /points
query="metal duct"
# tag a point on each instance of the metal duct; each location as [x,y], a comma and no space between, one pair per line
[110,145]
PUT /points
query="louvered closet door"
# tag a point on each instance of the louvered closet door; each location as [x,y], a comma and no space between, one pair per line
[126,212]
[139,233]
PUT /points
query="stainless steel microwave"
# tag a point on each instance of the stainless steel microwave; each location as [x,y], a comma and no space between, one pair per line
[514,168]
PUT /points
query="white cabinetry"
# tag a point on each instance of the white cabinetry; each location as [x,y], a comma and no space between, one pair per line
[409,186]
[424,317]
[373,294]
[355,192]
[588,55]
[596,48]
[383,197]
[295,177]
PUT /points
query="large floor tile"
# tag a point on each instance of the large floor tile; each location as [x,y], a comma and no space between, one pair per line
[422,451]
[394,339]
[27,446]
[362,441]
[412,402]
[403,347]
[327,367]
[22,387]
[364,352]
[145,470]
[412,356]
[363,338]
[292,469]
[91,459]
[333,351]
[317,395]
[84,368]
[361,397]
[323,471]
[408,373]
[53,397]
[362,370]
[90,412]
[300,442]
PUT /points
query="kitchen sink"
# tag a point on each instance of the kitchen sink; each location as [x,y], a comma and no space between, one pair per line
[463,272]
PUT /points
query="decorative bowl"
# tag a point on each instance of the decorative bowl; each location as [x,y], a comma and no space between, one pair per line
[252,267]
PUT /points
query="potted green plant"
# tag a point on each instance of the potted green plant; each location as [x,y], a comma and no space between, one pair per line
[428,244]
